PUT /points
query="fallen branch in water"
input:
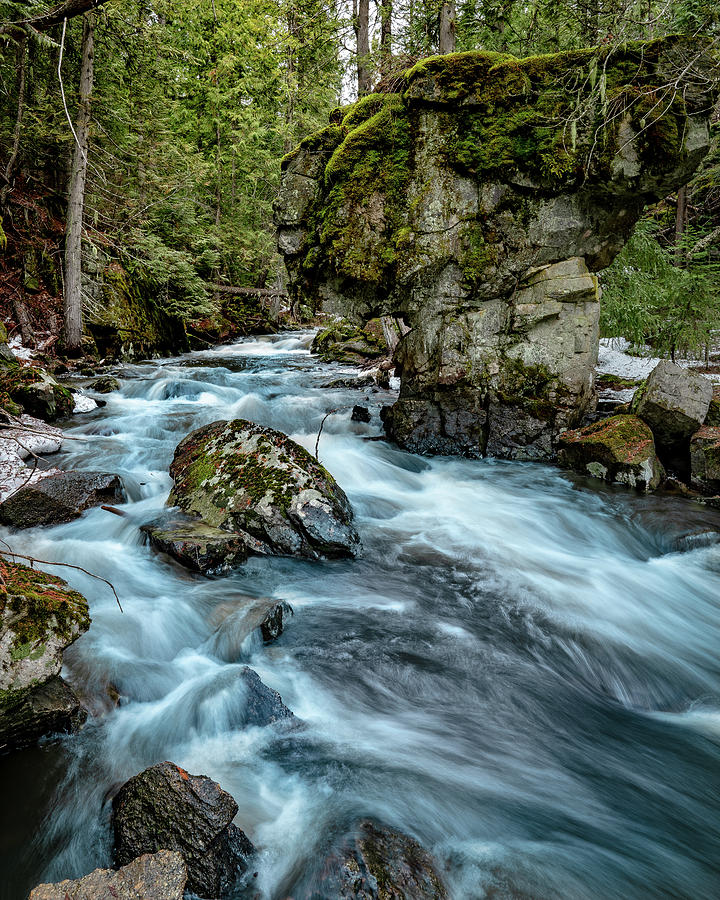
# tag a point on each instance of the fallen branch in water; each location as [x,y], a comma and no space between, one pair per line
[115,511]
[46,562]
[322,424]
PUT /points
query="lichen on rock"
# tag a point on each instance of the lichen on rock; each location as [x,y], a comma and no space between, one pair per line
[475,205]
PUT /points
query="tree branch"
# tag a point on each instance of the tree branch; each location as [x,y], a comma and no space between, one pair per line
[48,20]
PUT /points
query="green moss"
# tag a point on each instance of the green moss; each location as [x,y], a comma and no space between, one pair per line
[366,108]
[627,438]
[45,604]
[326,139]
[615,382]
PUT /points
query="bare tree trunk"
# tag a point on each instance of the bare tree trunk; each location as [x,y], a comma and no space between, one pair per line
[386,13]
[76,194]
[292,25]
[680,221]
[447,27]
[361,24]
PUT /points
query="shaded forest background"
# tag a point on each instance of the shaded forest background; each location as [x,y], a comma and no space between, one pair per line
[193,106]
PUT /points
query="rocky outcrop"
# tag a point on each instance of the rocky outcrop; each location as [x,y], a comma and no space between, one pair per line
[476,205]
[166,808]
[347,343]
[39,618]
[674,403]
[263,491]
[619,449]
[59,497]
[156,876]
[374,863]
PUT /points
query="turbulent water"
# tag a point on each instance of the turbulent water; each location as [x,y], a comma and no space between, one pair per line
[520,671]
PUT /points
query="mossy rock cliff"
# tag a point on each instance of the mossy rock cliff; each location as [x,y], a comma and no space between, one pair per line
[476,204]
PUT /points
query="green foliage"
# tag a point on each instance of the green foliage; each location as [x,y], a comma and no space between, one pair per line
[647,299]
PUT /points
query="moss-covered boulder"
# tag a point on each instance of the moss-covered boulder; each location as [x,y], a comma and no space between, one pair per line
[35,391]
[374,862]
[347,343]
[713,414]
[40,617]
[476,204]
[705,459]
[264,490]
[619,449]
[106,384]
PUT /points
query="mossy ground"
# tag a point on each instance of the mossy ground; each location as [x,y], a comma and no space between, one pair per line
[626,438]
[44,604]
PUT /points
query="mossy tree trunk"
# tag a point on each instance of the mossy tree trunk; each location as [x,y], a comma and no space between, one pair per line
[386,12]
[76,193]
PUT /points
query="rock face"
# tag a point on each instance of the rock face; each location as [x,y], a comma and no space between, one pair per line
[157,876]
[705,459]
[264,490]
[618,449]
[166,808]
[375,863]
[59,497]
[674,403]
[39,618]
[475,205]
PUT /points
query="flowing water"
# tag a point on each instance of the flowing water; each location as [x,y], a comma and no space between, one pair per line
[521,671]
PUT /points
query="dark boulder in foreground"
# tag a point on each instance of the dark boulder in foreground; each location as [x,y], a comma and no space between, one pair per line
[261,488]
[39,618]
[60,497]
[166,808]
[619,449]
[157,876]
[374,863]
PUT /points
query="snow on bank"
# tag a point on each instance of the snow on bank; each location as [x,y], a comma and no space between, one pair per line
[18,445]
[613,359]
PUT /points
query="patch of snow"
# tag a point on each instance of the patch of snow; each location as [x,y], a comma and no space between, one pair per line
[83,403]
[16,345]
[613,359]
[17,445]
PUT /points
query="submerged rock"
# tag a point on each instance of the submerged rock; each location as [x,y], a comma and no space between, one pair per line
[39,618]
[674,403]
[262,488]
[375,863]
[618,449]
[459,205]
[164,807]
[705,459]
[156,876]
[266,616]
[59,497]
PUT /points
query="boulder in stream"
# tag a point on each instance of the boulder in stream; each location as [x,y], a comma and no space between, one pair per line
[164,807]
[156,876]
[199,546]
[106,384]
[618,449]
[59,497]
[238,621]
[39,618]
[259,486]
[674,403]
[705,459]
[373,863]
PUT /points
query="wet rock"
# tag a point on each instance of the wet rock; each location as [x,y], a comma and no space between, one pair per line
[674,403]
[263,488]
[375,863]
[705,459]
[199,546]
[156,876]
[31,713]
[617,449]
[360,414]
[266,616]
[362,382]
[105,385]
[36,391]
[164,807]
[39,618]
[60,497]
[263,705]
[713,414]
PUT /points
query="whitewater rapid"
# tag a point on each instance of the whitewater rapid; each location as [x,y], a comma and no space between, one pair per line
[521,669]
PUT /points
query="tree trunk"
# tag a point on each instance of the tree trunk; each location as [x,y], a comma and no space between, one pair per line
[361,22]
[680,220]
[76,194]
[386,12]
[447,27]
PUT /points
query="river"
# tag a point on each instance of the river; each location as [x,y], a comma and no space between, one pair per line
[521,670]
